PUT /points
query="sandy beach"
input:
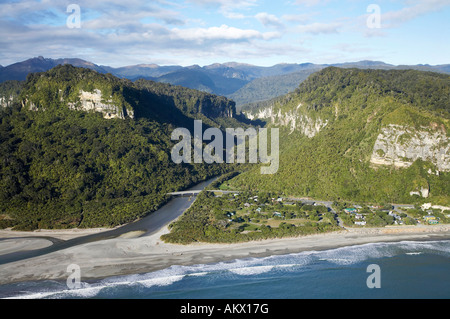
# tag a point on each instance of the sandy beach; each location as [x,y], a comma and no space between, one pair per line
[131,254]
[63,234]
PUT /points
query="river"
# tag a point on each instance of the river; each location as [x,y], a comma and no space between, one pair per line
[148,225]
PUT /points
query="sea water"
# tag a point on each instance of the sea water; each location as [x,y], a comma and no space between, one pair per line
[408,270]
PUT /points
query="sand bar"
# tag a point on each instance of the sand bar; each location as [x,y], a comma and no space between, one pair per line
[63,234]
[8,246]
[122,256]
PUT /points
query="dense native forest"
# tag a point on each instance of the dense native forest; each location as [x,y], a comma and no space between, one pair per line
[426,91]
[266,88]
[333,165]
[356,105]
[62,168]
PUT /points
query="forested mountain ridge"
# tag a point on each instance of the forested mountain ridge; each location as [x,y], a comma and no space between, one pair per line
[361,135]
[84,149]
[243,83]
[84,89]
[266,88]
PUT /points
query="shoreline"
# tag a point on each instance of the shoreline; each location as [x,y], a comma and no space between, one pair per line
[130,255]
[61,234]
[73,233]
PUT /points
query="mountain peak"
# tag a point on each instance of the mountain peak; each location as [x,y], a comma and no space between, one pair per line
[237,64]
[194,67]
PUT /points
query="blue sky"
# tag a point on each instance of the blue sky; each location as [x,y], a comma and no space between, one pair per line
[260,32]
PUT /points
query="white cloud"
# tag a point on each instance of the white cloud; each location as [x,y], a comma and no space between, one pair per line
[228,8]
[120,32]
[395,19]
[33,12]
[418,8]
[224,33]
[269,20]
[298,18]
[310,3]
[319,28]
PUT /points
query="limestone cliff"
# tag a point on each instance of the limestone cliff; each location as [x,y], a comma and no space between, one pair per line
[6,101]
[294,119]
[93,101]
[400,146]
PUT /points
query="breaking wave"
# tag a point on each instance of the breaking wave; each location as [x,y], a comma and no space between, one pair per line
[244,268]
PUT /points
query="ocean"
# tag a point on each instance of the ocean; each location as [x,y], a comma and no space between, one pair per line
[406,270]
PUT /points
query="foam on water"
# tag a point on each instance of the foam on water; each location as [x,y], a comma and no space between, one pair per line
[414,254]
[247,271]
[246,267]
[164,281]
[86,291]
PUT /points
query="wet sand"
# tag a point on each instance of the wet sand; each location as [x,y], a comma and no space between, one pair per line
[57,234]
[131,255]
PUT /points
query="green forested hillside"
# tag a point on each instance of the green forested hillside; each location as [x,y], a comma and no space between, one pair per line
[353,107]
[61,168]
[267,88]
[203,80]
[9,91]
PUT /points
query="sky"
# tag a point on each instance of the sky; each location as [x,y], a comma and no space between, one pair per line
[259,32]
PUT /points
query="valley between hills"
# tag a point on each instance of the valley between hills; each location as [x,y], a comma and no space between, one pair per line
[83,149]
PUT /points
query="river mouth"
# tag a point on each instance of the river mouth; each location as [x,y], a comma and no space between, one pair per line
[144,227]
[132,234]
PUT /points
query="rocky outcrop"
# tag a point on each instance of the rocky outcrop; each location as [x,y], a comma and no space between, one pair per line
[30,105]
[401,146]
[215,108]
[293,119]
[423,192]
[93,101]
[6,101]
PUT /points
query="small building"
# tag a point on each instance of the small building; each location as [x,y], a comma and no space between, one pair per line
[277,214]
[361,223]
[247,205]
[391,213]
[430,219]
[351,210]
